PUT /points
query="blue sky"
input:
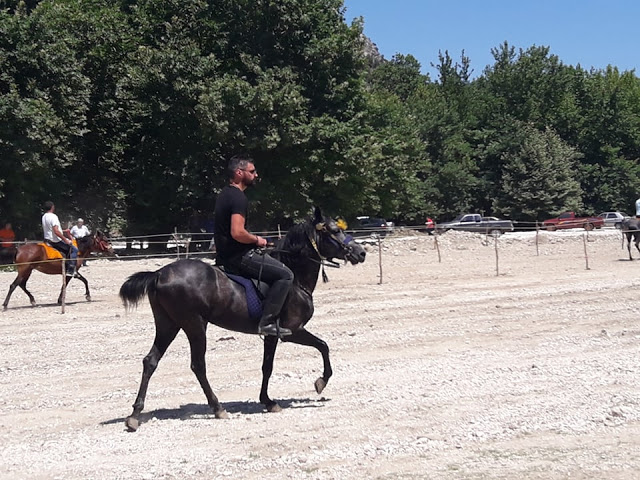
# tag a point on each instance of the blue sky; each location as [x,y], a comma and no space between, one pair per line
[587,32]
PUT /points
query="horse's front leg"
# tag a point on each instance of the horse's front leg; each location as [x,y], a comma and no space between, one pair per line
[67,279]
[87,295]
[270,344]
[303,337]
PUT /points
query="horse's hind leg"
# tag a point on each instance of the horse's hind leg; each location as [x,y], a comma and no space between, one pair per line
[166,332]
[20,281]
[197,334]
[303,337]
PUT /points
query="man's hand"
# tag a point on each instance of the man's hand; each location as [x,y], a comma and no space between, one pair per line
[261,242]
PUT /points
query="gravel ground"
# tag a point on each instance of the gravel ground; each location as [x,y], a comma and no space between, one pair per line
[445,370]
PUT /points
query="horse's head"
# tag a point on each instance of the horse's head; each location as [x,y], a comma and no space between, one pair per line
[97,242]
[331,241]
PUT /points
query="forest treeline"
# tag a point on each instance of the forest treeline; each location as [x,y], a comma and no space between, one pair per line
[125,112]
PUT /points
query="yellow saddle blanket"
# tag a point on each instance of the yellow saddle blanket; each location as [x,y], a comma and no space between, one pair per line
[52,253]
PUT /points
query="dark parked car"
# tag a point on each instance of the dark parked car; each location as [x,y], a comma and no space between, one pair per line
[474,222]
[367,226]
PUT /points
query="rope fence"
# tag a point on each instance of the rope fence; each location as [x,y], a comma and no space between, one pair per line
[374,237]
[178,244]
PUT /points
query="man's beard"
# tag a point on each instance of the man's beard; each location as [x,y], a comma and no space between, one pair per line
[250,183]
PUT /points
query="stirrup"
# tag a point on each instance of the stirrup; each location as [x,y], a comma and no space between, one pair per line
[273,329]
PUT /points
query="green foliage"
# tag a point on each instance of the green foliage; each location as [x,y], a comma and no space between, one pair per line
[538,176]
[125,113]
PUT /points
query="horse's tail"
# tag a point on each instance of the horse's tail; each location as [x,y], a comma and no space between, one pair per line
[136,287]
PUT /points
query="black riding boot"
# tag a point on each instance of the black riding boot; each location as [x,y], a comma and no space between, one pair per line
[268,322]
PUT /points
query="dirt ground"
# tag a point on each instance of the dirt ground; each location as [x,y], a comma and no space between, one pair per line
[445,370]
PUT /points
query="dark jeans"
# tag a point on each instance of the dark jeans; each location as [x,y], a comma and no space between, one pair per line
[259,265]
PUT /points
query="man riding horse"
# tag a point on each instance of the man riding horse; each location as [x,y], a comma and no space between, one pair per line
[54,237]
[238,251]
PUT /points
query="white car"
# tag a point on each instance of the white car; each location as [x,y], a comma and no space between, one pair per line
[613,219]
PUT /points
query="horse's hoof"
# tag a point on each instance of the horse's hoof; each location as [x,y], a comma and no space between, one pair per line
[320,384]
[222,414]
[274,408]
[88,298]
[132,424]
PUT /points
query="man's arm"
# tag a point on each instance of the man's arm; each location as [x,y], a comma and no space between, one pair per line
[240,233]
[58,233]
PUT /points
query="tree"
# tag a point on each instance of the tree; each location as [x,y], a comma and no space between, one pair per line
[539,176]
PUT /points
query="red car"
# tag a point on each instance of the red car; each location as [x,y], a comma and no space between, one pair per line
[569,220]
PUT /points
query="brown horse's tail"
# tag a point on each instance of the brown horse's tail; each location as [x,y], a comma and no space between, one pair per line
[136,287]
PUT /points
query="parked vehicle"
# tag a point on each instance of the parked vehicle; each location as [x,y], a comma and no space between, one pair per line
[570,220]
[613,219]
[473,222]
[365,226]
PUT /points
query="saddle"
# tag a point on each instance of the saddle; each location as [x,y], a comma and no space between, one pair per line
[52,253]
[255,292]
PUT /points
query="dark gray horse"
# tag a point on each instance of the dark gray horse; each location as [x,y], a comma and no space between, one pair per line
[630,228]
[189,294]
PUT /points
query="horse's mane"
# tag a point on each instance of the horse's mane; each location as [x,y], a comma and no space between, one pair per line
[84,243]
[294,243]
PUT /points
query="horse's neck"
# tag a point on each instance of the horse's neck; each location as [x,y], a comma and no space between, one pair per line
[307,276]
[305,270]
[88,249]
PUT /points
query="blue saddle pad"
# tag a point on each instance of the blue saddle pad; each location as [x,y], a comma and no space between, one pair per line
[254,302]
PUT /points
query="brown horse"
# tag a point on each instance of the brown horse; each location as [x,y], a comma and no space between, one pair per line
[33,256]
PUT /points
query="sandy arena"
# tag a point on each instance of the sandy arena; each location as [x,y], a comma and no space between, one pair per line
[444,371]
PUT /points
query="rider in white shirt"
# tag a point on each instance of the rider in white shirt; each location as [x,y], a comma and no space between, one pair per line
[54,237]
[638,208]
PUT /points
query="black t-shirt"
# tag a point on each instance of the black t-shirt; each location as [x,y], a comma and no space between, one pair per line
[231,200]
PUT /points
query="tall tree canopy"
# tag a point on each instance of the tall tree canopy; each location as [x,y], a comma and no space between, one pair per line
[126,111]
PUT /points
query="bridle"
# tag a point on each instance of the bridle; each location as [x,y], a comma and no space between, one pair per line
[102,244]
[342,244]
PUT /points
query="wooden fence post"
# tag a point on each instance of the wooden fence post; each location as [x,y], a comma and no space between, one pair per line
[380,258]
[586,255]
[63,294]
[435,239]
[495,241]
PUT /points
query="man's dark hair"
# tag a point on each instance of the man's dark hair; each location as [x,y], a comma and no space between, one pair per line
[48,205]
[238,162]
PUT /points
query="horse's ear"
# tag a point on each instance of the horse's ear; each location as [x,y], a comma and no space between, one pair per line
[317,215]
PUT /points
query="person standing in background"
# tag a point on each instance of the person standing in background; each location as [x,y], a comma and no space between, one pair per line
[80,230]
[7,236]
